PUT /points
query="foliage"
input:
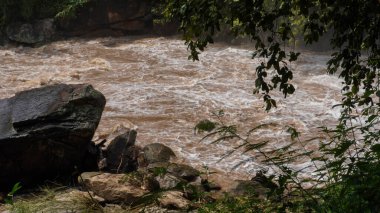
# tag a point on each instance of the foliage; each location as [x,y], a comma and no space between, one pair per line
[355,26]
[347,165]
[15,188]
[233,204]
[159,171]
[28,10]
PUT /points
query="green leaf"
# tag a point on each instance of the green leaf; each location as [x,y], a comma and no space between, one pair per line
[376,148]
[205,125]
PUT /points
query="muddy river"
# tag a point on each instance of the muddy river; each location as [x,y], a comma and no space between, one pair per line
[151,85]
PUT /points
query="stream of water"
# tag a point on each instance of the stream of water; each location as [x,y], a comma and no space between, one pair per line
[150,84]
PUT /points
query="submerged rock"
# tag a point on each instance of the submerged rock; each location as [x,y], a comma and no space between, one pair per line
[45,132]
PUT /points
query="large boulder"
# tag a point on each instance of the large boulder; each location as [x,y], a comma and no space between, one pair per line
[31,33]
[46,132]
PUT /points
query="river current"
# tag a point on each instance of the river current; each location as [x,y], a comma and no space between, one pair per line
[150,84]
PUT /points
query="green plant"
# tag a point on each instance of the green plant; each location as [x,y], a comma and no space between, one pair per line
[159,171]
[10,195]
[135,178]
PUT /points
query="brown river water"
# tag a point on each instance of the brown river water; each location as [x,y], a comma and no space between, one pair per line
[151,85]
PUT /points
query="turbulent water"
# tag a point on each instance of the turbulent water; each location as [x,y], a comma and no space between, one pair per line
[150,84]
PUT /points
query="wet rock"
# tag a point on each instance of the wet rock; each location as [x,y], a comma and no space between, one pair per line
[31,33]
[174,199]
[156,152]
[45,132]
[168,181]
[121,154]
[113,187]
[183,171]
[128,16]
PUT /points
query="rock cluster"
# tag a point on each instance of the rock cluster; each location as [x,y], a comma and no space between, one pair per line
[131,173]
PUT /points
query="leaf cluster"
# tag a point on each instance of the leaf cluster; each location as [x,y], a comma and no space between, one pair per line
[347,162]
[272,24]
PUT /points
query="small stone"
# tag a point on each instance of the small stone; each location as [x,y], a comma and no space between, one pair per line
[183,171]
[174,199]
[168,181]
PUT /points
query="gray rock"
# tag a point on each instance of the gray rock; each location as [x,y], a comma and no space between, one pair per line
[46,132]
[31,33]
[174,199]
[121,154]
[113,187]
[247,187]
[183,171]
[168,181]
[157,152]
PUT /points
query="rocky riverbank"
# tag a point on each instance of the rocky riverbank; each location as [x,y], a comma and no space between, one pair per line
[123,176]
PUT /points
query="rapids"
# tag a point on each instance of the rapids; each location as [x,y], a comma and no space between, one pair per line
[150,84]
